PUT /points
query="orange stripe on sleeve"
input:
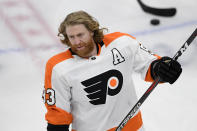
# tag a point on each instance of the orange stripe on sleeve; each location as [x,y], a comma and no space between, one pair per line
[158,57]
[133,124]
[148,74]
[56,115]
[110,37]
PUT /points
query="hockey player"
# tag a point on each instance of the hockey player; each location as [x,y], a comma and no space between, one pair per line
[90,85]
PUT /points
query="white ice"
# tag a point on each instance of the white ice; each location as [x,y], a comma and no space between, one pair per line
[28,32]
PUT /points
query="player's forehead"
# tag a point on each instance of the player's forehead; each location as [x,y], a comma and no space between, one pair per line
[76,29]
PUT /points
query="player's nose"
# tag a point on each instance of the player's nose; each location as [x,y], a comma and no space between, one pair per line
[77,41]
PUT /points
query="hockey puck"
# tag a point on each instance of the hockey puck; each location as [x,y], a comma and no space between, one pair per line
[155,22]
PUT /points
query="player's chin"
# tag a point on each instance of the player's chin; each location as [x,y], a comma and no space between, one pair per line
[83,53]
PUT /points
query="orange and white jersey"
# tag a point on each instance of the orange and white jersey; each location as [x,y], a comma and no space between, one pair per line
[95,94]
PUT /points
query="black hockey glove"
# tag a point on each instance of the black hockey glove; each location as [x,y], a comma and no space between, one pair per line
[167,69]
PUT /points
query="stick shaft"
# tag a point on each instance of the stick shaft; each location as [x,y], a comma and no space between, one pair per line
[154,84]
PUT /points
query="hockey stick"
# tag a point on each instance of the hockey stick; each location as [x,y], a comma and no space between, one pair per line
[167,12]
[154,84]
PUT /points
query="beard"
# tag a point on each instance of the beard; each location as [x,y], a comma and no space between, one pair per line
[83,49]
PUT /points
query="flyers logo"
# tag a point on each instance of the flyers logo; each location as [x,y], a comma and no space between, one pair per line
[107,83]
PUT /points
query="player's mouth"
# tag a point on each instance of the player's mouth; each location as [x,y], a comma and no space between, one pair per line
[80,47]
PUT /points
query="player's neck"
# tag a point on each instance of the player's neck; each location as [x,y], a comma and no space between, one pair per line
[94,51]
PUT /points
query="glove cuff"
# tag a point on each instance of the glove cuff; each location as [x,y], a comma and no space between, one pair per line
[153,69]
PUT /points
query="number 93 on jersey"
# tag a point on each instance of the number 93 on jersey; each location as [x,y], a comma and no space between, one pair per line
[48,96]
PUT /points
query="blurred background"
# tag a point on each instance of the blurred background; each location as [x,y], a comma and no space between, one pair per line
[28,30]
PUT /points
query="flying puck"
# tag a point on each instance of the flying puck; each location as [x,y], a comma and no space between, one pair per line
[155,22]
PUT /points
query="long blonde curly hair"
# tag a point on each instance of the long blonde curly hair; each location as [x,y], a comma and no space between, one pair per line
[81,17]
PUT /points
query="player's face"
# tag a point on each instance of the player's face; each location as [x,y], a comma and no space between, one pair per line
[81,40]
